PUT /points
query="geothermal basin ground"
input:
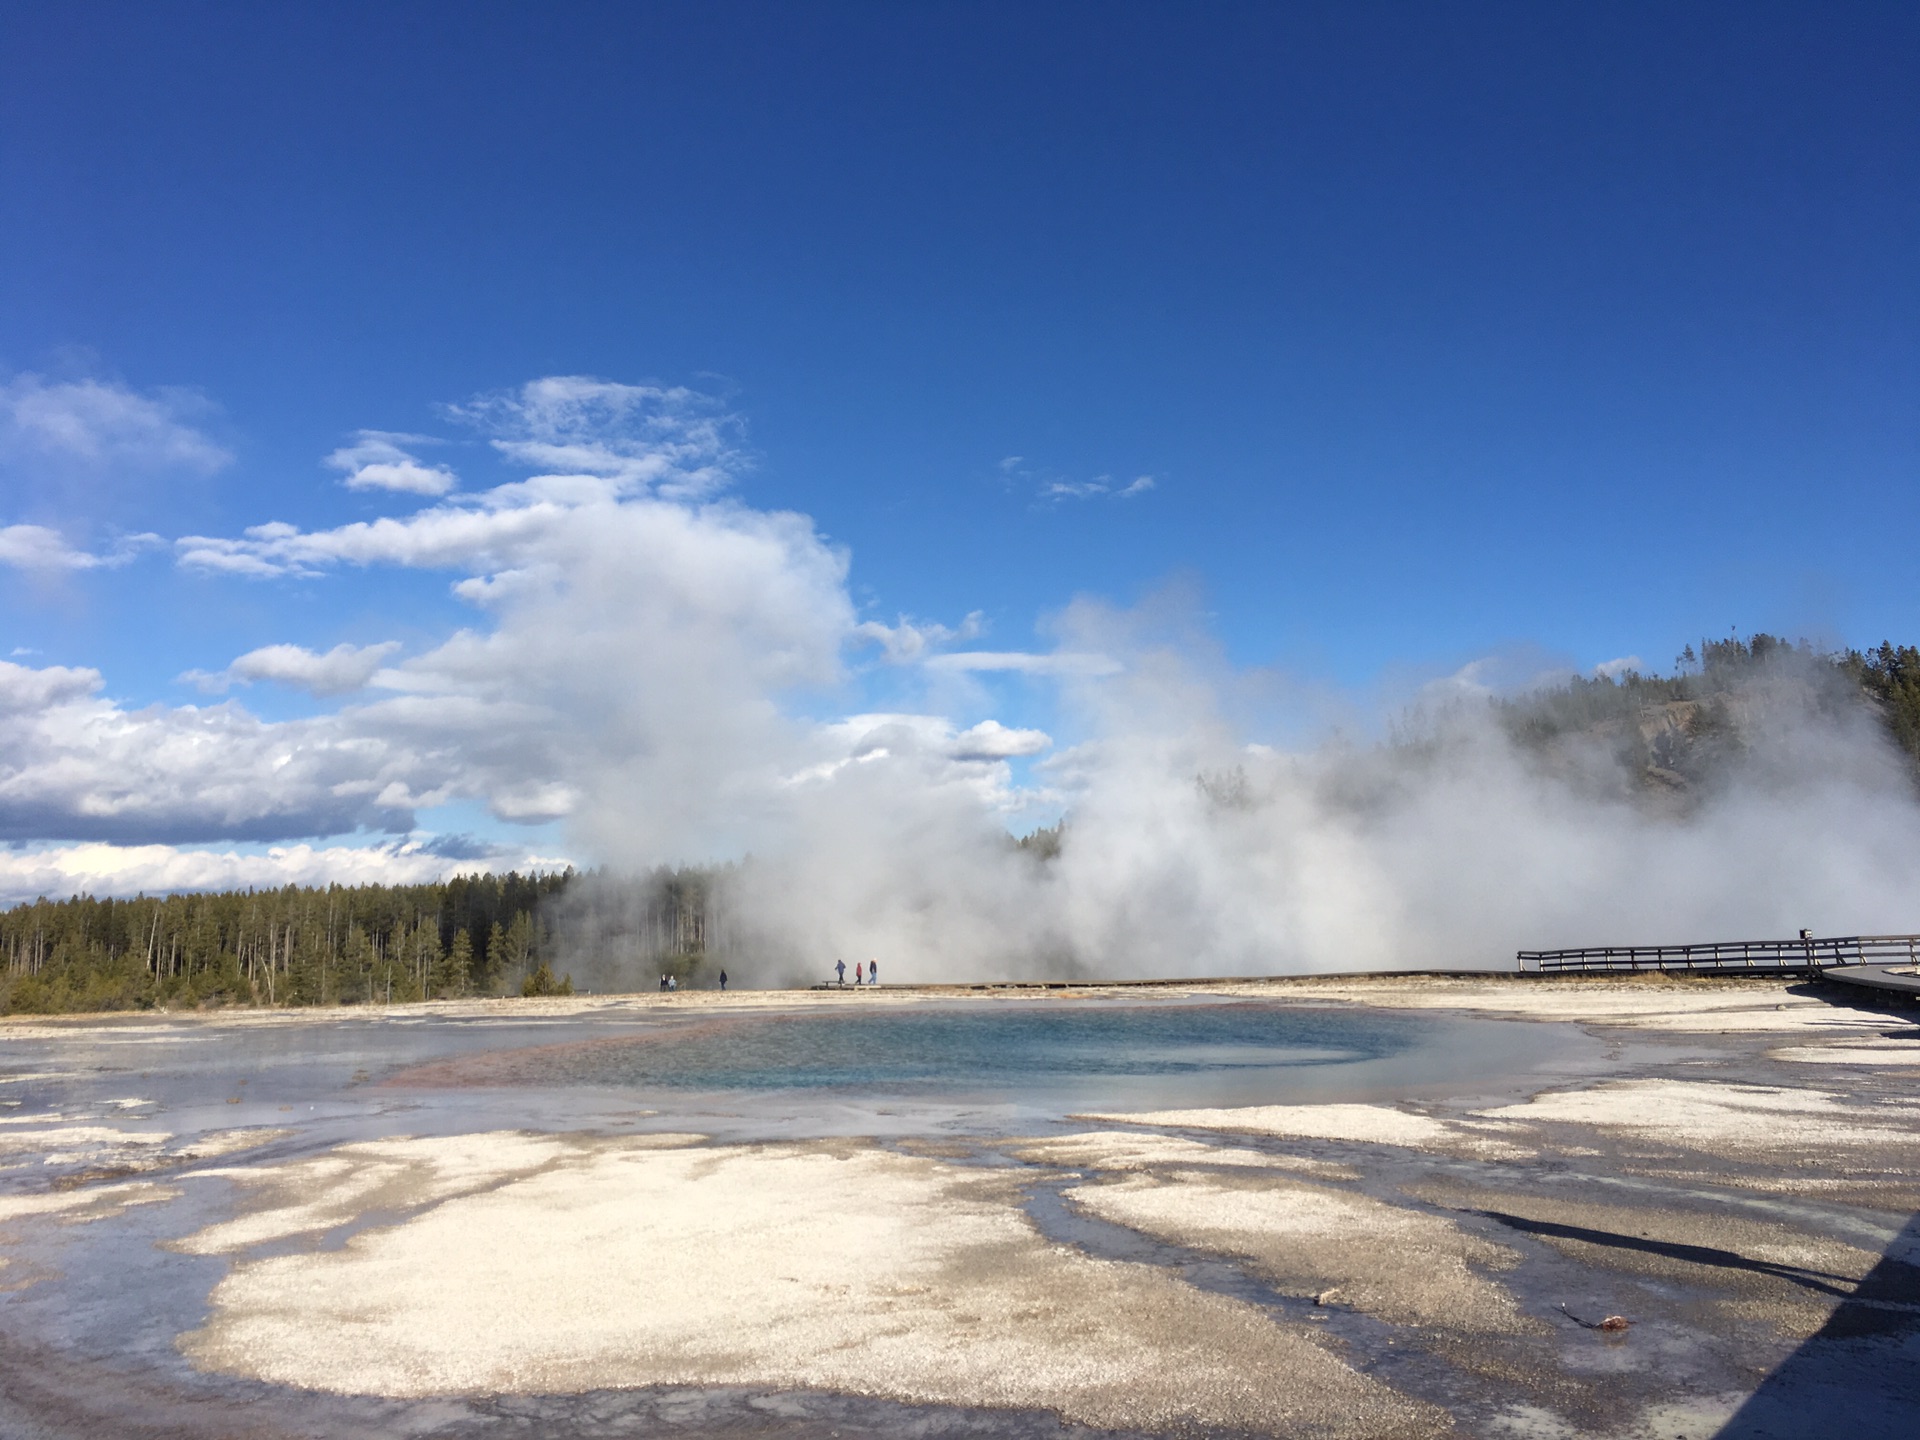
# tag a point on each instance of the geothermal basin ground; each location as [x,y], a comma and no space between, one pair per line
[1397,1206]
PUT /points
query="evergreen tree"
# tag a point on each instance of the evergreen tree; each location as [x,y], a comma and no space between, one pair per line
[493,966]
[456,971]
[542,982]
[356,965]
[429,963]
[518,958]
[1891,674]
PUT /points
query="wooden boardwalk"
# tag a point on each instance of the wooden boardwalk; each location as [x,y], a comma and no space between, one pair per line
[1901,980]
[1807,953]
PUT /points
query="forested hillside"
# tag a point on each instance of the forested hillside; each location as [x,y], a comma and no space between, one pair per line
[1672,733]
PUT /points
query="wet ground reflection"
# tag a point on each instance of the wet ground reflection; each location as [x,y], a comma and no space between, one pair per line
[1860,1373]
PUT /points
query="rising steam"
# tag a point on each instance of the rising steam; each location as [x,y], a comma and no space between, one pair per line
[1193,848]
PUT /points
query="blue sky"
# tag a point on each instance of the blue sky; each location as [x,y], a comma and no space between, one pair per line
[1441,331]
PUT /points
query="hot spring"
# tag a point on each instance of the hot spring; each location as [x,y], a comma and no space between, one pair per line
[1046,1054]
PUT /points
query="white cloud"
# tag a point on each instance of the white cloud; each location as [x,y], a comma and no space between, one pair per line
[97,869]
[1098,486]
[1056,488]
[990,740]
[675,442]
[37,548]
[24,689]
[488,531]
[635,644]
[1074,489]
[99,425]
[377,461]
[74,764]
[924,756]
[340,670]
[910,640]
[1626,664]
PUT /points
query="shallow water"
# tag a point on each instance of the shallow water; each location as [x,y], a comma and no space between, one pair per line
[918,1068]
[1059,1054]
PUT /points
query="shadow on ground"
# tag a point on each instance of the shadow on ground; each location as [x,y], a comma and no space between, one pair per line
[1820,1280]
[1859,1375]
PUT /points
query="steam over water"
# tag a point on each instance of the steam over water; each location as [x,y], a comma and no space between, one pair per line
[1202,840]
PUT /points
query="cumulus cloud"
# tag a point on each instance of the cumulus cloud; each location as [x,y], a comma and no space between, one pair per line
[58,871]
[338,671]
[377,461]
[76,765]
[635,645]
[25,690]
[990,740]
[936,753]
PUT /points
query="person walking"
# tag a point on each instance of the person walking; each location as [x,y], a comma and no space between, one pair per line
[873,972]
[840,969]
[723,979]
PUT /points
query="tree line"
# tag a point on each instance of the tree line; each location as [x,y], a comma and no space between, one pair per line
[301,945]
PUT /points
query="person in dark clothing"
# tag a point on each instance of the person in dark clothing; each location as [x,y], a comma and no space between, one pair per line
[873,972]
[723,979]
[840,969]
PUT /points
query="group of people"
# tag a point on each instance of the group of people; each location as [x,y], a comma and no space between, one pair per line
[672,982]
[872,976]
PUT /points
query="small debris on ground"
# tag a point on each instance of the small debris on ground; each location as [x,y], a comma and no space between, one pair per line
[1612,1322]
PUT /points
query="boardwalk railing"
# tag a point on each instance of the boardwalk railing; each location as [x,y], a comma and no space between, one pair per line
[1805,954]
